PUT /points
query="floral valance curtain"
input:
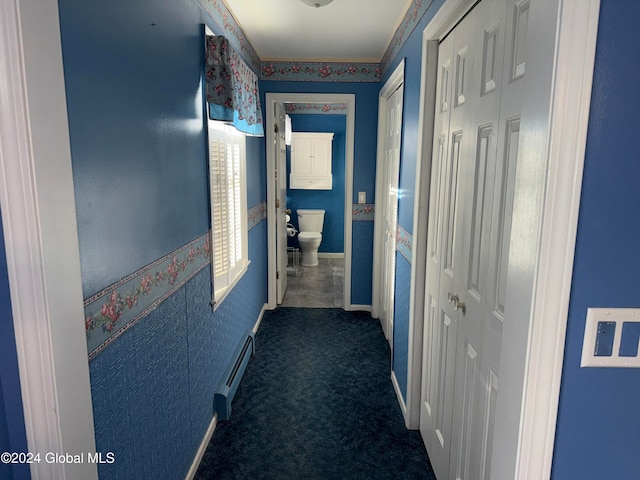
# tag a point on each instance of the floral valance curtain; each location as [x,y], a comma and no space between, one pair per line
[232,87]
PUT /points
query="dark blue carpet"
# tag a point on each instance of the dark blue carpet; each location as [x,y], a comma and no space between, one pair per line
[316,402]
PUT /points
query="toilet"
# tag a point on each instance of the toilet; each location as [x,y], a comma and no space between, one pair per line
[310,226]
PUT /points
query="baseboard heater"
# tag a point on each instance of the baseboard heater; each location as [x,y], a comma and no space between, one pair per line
[233,375]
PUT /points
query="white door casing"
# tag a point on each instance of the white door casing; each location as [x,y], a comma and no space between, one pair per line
[271,99]
[386,212]
[553,126]
[41,240]
[280,179]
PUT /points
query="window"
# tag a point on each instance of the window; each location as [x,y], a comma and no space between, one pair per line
[229,257]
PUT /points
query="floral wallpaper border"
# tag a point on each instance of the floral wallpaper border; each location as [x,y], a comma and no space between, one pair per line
[322,108]
[256,215]
[313,71]
[111,312]
[404,243]
[410,21]
[230,29]
[321,71]
[363,212]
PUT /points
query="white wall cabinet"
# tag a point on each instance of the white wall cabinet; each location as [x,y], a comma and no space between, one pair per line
[311,161]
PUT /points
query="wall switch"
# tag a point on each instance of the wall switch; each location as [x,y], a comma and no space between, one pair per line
[611,338]
[362,197]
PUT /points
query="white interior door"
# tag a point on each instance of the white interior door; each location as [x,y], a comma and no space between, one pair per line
[391,152]
[281,201]
[444,253]
[474,161]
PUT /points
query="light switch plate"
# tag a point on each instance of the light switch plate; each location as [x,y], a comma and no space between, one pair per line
[611,338]
[362,197]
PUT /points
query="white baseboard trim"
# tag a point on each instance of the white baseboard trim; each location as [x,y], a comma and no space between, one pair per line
[330,255]
[364,308]
[396,387]
[203,448]
[259,321]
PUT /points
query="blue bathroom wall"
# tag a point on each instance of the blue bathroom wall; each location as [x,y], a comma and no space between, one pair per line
[332,201]
[364,168]
[139,158]
[598,434]
[366,124]
[12,432]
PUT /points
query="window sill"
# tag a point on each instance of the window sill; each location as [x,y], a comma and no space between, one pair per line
[220,295]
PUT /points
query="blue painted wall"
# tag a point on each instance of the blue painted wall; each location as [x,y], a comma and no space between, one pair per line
[332,201]
[364,166]
[366,124]
[133,73]
[137,139]
[256,171]
[153,388]
[598,434]
[12,433]
[362,262]
[411,52]
[401,305]
[5,469]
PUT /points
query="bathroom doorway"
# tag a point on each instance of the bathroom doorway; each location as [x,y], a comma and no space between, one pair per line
[334,269]
[320,286]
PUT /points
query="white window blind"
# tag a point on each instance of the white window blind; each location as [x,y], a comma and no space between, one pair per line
[228,207]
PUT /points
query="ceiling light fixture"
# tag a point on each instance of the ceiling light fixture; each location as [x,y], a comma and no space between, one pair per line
[316,3]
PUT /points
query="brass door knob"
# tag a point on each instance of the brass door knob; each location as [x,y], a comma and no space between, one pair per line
[457,303]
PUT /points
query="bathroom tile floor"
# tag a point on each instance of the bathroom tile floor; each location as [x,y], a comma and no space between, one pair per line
[318,287]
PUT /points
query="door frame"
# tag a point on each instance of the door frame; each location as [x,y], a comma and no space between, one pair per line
[555,117]
[271,99]
[280,181]
[395,81]
[41,240]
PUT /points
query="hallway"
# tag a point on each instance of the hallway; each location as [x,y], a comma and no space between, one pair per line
[316,402]
[110,310]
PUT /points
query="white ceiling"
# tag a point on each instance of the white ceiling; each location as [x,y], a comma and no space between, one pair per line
[344,30]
